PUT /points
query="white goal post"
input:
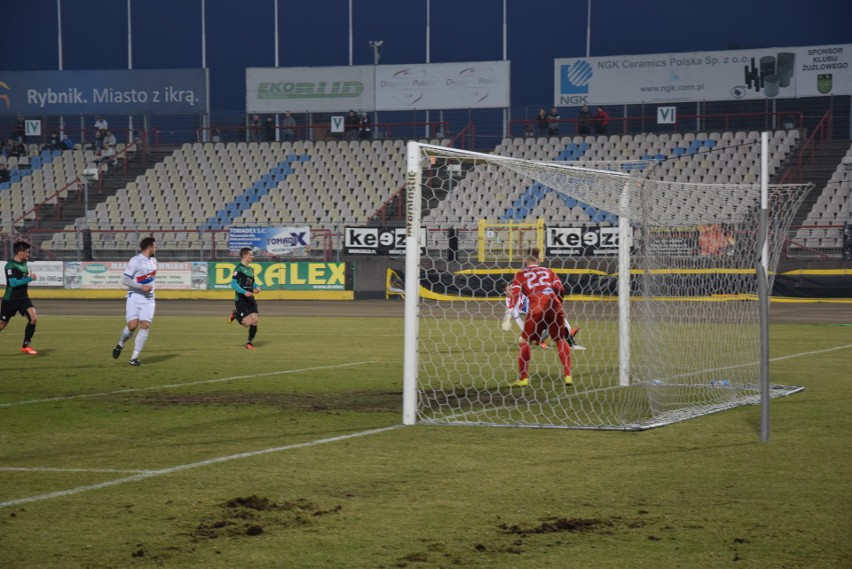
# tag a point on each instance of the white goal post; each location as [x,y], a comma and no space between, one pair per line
[662,280]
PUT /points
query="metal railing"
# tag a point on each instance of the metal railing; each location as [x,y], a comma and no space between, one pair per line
[683,123]
[326,244]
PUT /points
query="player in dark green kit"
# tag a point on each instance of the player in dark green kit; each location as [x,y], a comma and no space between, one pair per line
[16,299]
[245,289]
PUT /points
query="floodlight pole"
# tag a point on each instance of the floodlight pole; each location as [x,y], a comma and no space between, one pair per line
[763,286]
[377,46]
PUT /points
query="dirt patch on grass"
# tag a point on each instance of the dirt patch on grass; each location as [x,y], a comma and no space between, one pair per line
[251,516]
[556,525]
[350,401]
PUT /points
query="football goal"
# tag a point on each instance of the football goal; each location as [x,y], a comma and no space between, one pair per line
[666,282]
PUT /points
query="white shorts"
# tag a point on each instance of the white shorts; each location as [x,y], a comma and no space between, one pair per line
[139,308]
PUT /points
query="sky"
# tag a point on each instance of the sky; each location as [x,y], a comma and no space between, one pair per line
[168,34]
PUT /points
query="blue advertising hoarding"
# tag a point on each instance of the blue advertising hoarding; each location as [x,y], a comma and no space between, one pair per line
[128,91]
[271,240]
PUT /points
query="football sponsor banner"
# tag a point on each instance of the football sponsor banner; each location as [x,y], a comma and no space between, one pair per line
[706,75]
[426,86]
[108,91]
[285,276]
[274,241]
[466,85]
[582,241]
[309,89]
[378,240]
[48,273]
[107,275]
[682,241]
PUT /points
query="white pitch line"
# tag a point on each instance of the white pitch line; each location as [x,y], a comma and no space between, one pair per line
[801,354]
[171,385]
[47,469]
[181,467]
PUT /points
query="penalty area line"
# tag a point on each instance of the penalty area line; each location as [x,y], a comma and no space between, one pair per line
[144,475]
[171,385]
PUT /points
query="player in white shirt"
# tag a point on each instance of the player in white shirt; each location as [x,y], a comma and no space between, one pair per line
[139,277]
[519,311]
[519,314]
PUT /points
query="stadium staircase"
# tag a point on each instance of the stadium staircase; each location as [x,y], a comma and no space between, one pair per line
[392,212]
[241,203]
[73,208]
[826,158]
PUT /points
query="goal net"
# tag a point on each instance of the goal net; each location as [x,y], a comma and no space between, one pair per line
[660,281]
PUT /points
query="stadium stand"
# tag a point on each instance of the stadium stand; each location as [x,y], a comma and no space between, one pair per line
[324,184]
[727,157]
[833,208]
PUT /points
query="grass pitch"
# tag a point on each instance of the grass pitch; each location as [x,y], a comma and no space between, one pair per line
[209,455]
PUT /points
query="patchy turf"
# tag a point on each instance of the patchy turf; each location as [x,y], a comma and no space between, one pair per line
[251,516]
[350,401]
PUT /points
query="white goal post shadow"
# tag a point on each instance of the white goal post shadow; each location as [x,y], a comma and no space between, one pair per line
[636,202]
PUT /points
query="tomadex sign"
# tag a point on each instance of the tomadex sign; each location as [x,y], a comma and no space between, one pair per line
[581,241]
[273,240]
[378,241]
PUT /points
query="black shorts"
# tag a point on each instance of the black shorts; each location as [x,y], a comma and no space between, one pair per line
[245,307]
[8,308]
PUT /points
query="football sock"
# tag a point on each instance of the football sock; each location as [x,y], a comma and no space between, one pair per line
[29,332]
[125,335]
[252,332]
[565,356]
[524,360]
[139,343]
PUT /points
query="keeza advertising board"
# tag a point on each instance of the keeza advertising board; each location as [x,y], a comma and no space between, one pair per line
[581,241]
[378,240]
[704,76]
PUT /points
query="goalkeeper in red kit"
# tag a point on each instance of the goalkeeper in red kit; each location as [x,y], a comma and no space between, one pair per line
[544,290]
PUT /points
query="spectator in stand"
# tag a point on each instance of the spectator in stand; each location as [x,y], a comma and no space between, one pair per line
[553,122]
[66,143]
[289,124]
[254,129]
[19,150]
[4,173]
[6,149]
[542,121]
[350,126]
[269,129]
[53,143]
[98,142]
[600,119]
[584,121]
[528,130]
[101,124]
[109,138]
[106,158]
[364,131]
[20,129]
